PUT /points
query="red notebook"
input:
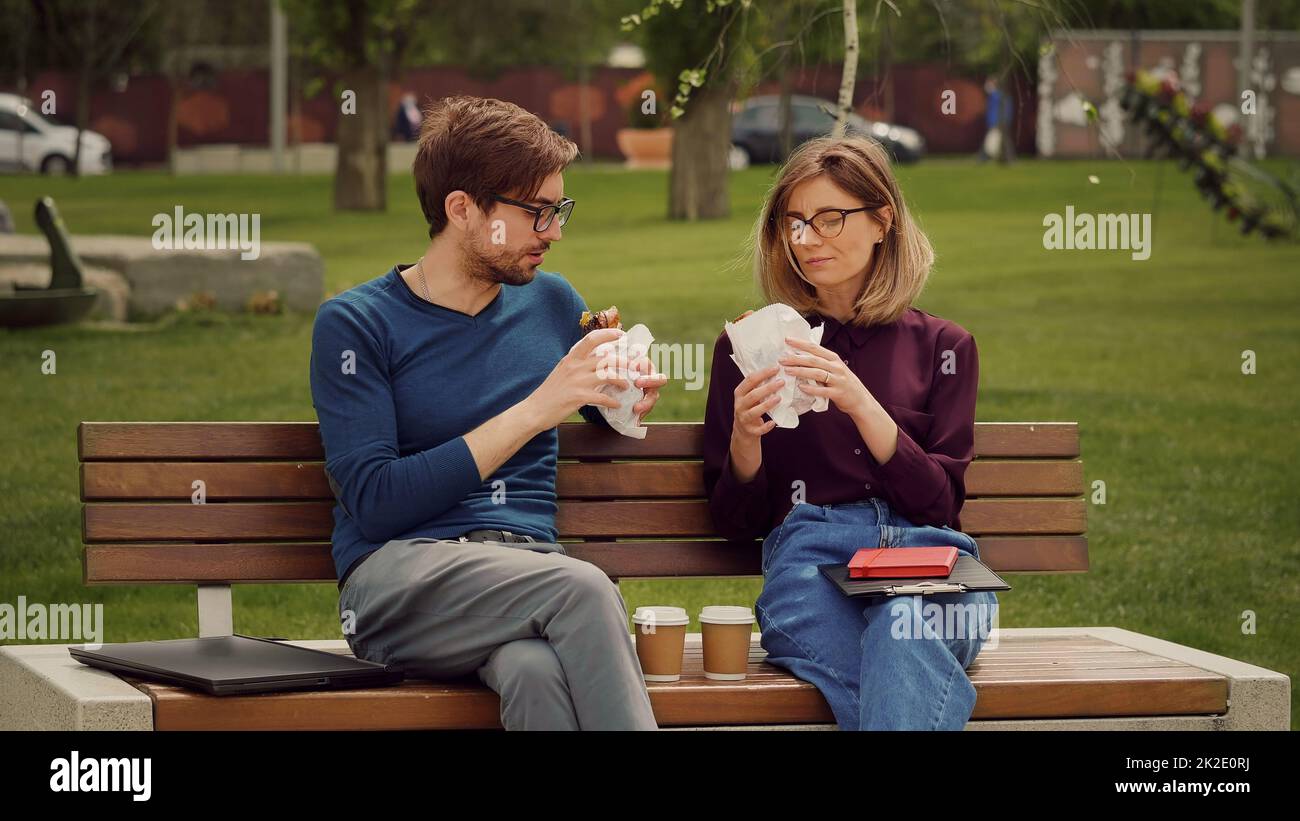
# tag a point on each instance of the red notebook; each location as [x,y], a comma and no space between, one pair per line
[902,562]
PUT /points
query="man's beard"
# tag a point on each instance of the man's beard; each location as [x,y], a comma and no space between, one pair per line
[504,266]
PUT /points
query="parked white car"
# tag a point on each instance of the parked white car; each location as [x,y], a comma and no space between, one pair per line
[30,142]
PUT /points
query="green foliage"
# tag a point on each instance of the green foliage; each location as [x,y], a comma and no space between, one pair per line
[357,33]
[1194,135]
[1162,14]
[97,36]
[564,34]
[695,41]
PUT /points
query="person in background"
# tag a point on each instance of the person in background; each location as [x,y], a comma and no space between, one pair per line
[997,123]
[406,124]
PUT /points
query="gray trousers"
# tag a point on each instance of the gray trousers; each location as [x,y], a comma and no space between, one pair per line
[547,632]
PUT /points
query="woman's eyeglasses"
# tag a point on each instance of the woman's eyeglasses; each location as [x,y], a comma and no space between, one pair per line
[828,224]
[543,215]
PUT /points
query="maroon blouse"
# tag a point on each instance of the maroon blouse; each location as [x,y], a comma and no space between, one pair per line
[930,395]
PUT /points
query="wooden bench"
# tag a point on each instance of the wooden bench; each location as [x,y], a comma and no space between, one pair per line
[636,509]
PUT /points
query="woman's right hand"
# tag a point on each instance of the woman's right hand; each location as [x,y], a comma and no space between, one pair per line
[755,395]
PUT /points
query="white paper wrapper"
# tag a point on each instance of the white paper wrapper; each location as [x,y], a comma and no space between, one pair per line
[632,345]
[758,342]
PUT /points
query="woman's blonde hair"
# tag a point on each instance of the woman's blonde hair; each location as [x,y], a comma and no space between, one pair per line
[900,264]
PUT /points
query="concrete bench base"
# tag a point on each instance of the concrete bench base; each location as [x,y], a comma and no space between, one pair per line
[44,688]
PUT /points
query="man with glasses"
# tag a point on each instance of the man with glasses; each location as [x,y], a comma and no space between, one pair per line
[438,387]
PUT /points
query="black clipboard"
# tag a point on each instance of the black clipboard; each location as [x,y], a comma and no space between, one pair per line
[969,575]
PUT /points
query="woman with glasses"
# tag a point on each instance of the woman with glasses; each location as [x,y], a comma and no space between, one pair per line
[883,466]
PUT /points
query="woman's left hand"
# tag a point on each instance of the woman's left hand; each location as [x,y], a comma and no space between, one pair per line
[832,378]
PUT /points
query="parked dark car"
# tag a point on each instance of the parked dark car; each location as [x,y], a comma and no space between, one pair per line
[755,130]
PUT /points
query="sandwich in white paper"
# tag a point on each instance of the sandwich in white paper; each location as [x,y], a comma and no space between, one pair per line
[758,342]
[634,344]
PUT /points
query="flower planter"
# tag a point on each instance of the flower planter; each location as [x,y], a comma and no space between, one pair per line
[646,147]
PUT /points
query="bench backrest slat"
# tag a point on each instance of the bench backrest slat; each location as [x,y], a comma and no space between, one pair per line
[227,441]
[634,507]
[248,481]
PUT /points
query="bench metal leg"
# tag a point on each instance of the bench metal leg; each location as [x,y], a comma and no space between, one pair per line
[216,611]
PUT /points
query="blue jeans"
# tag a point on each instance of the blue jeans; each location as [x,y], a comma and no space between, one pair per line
[883,663]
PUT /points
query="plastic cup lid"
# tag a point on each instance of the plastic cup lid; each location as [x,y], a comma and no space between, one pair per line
[726,614]
[661,615]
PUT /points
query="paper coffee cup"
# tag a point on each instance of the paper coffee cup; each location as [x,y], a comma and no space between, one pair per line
[660,641]
[727,634]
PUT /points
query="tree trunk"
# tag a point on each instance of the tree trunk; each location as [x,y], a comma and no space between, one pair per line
[361,171]
[785,135]
[784,117]
[886,72]
[85,76]
[83,113]
[850,75]
[1005,150]
[173,121]
[584,111]
[698,181]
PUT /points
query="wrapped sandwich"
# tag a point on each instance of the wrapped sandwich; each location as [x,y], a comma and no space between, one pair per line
[758,342]
[631,346]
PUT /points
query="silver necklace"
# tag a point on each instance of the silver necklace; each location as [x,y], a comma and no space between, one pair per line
[419,269]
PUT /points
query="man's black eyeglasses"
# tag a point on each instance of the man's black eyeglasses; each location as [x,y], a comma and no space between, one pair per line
[543,215]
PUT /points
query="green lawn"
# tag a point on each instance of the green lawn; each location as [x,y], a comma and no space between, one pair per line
[1199,461]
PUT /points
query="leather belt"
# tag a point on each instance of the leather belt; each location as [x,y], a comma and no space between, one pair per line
[471,536]
[494,536]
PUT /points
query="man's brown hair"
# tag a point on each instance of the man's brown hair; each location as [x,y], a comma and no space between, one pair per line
[483,146]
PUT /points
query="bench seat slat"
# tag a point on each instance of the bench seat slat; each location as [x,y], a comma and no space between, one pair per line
[1147,685]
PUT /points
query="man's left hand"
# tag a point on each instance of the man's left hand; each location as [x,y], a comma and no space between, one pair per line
[650,382]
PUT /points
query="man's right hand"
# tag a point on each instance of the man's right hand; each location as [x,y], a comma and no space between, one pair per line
[576,381]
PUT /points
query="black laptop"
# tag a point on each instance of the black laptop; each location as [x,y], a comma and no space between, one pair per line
[236,665]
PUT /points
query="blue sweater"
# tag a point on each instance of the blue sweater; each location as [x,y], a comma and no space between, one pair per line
[397,382]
